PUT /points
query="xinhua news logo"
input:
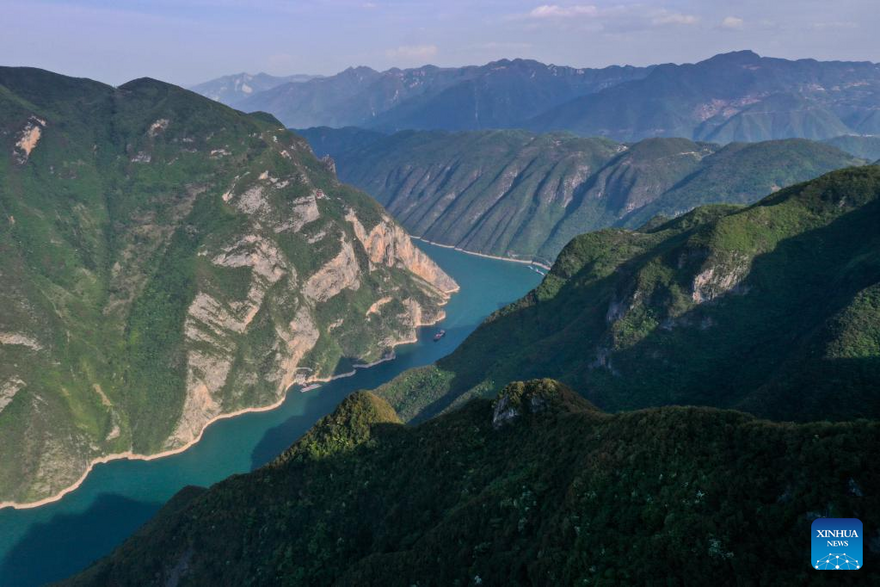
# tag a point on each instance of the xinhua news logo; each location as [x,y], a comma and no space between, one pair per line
[836,544]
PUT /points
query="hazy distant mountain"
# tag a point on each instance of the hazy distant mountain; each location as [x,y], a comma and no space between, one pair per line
[517,194]
[863,147]
[231,89]
[736,96]
[731,97]
[498,94]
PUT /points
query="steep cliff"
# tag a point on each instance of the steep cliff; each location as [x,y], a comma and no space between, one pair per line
[168,261]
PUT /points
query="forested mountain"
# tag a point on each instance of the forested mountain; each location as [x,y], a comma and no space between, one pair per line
[539,488]
[772,309]
[524,195]
[167,260]
[499,94]
[232,89]
[736,96]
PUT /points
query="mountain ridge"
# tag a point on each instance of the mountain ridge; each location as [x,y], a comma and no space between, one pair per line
[730,97]
[499,93]
[738,96]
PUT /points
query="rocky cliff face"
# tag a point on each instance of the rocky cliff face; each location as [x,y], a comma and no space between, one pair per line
[388,244]
[172,261]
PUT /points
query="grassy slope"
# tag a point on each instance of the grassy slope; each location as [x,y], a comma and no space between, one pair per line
[561,494]
[108,232]
[518,194]
[789,296]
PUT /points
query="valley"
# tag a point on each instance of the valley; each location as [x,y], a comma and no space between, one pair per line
[458,294]
[118,497]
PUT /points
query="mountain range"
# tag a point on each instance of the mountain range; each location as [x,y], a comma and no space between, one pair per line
[498,94]
[168,260]
[232,89]
[523,195]
[738,96]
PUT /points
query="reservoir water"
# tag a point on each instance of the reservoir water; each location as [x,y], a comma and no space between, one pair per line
[56,540]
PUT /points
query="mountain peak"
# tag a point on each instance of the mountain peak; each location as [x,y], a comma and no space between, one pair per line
[734,57]
[350,425]
[536,396]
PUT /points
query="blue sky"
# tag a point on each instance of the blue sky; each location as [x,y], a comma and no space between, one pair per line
[189,41]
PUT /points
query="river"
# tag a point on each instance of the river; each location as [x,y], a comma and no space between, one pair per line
[51,542]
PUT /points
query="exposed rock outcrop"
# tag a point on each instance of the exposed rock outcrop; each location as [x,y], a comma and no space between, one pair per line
[719,278]
[387,243]
[340,273]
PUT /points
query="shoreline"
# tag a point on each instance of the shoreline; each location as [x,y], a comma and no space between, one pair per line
[484,255]
[130,456]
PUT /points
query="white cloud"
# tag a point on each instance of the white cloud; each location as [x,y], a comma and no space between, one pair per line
[664,18]
[732,22]
[412,52]
[556,11]
[594,18]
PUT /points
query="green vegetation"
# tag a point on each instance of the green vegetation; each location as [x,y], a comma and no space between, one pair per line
[537,488]
[157,255]
[770,308]
[521,195]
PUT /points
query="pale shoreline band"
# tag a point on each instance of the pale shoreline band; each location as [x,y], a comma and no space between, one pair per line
[460,250]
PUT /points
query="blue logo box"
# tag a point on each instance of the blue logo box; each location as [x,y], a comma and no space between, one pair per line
[836,544]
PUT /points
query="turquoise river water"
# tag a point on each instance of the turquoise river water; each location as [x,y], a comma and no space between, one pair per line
[56,540]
